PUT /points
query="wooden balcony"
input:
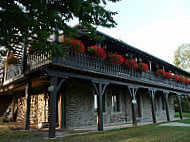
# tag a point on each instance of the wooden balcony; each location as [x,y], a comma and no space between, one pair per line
[86,63]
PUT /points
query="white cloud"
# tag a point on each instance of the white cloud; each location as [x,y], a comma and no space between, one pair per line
[163,38]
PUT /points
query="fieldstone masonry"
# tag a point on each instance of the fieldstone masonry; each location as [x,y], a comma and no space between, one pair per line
[80,111]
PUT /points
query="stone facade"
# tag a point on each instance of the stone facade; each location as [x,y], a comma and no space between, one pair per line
[81,106]
[38,110]
[80,111]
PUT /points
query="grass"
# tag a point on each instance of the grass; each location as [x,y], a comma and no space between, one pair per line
[147,133]
[185,114]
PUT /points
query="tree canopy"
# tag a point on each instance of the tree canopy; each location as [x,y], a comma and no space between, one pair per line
[31,22]
[182,57]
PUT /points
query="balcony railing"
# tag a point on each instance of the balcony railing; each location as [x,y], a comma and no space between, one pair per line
[87,63]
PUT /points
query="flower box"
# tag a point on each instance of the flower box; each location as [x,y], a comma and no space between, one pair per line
[115,59]
[74,45]
[97,52]
[161,72]
[131,63]
[169,75]
[11,59]
[144,67]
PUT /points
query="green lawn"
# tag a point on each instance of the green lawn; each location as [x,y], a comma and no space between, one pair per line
[148,133]
[185,114]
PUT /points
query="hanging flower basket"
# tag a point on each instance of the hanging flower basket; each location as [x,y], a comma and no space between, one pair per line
[131,63]
[169,75]
[74,45]
[97,52]
[11,59]
[115,59]
[161,72]
[144,67]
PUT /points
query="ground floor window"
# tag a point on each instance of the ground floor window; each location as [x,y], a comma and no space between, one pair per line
[115,102]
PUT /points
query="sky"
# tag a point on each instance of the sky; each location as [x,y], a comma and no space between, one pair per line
[158,27]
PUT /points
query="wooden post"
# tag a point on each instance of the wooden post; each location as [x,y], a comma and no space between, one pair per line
[100,89]
[152,96]
[180,107]
[53,90]
[28,99]
[52,106]
[133,91]
[167,106]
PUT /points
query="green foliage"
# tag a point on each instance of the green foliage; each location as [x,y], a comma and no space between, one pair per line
[33,21]
[184,103]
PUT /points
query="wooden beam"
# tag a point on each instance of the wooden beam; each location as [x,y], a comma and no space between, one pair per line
[133,91]
[180,106]
[100,89]
[152,96]
[167,105]
[28,99]
[52,106]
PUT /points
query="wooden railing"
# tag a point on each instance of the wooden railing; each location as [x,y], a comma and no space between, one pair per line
[87,63]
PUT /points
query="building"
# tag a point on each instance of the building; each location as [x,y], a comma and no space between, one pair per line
[80,91]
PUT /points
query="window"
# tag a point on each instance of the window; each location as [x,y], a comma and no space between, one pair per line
[96,102]
[115,102]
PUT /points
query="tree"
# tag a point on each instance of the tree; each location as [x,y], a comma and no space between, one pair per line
[31,22]
[182,57]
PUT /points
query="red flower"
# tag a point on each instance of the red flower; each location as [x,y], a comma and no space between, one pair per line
[182,79]
[161,72]
[74,44]
[169,75]
[114,58]
[97,51]
[176,77]
[144,67]
[131,63]
[11,59]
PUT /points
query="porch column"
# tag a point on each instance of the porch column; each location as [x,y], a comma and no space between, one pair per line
[53,90]
[133,91]
[100,89]
[167,106]
[28,99]
[62,113]
[152,96]
[180,107]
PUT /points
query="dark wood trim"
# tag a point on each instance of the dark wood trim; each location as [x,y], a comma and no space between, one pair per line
[28,99]
[133,91]
[180,106]
[152,96]
[100,89]
[166,95]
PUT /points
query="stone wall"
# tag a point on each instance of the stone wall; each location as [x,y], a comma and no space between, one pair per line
[80,111]
[38,110]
